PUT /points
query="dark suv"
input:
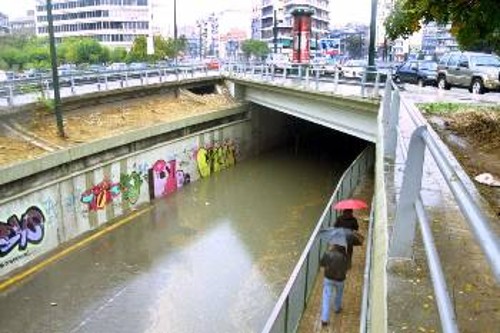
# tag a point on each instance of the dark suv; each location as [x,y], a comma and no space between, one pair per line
[479,72]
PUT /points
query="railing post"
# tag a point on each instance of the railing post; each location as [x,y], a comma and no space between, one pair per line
[403,233]
[317,80]
[98,83]
[106,81]
[273,70]
[146,76]
[10,101]
[308,69]
[391,132]
[300,72]
[261,71]
[336,79]
[363,83]
[72,85]
[375,88]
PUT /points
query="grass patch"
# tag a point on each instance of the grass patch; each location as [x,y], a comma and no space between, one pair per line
[443,108]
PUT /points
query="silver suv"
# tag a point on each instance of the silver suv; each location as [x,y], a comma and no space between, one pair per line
[479,72]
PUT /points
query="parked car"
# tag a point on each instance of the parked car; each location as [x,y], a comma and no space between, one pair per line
[418,72]
[213,64]
[331,67]
[277,61]
[354,69]
[118,66]
[3,76]
[479,72]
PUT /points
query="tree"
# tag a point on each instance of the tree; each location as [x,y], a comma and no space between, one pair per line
[257,48]
[475,23]
[354,45]
[118,54]
[138,52]
[82,51]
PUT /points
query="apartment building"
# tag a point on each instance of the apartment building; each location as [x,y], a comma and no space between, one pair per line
[24,25]
[4,24]
[437,40]
[281,9]
[112,22]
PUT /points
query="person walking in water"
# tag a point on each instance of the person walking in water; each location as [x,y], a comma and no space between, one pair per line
[334,262]
[349,222]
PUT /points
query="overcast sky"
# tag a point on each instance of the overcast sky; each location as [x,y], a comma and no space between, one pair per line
[342,11]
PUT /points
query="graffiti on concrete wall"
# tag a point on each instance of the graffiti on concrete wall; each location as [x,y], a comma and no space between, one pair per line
[29,229]
[213,159]
[100,195]
[165,178]
[130,186]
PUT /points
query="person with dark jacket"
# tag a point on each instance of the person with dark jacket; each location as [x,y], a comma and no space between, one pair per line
[349,222]
[334,261]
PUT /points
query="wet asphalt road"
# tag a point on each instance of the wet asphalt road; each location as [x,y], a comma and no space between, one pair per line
[212,257]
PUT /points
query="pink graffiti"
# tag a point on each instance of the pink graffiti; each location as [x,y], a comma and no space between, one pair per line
[166,179]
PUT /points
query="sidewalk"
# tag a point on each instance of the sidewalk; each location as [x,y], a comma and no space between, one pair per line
[473,290]
[348,320]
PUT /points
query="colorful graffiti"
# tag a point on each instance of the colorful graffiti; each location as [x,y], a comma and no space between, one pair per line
[214,159]
[21,232]
[130,186]
[99,196]
[164,178]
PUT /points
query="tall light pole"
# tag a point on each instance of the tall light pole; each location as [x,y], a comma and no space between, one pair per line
[371,47]
[175,32]
[55,74]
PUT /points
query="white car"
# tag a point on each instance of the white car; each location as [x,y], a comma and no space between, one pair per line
[3,76]
[354,69]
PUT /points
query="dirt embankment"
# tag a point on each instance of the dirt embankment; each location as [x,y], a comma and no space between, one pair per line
[19,141]
[473,134]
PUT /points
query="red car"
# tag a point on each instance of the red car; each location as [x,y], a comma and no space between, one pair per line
[213,64]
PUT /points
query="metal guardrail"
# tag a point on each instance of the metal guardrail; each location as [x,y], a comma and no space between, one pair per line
[309,75]
[290,306]
[365,301]
[23,91]
[410,208]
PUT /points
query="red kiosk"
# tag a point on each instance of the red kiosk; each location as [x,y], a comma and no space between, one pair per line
[301,34]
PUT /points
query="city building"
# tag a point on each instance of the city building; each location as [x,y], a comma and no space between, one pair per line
[340,42]
[391,50]
[112,22]
[25,25]
[256,20]
[437,40]
[4,24]
[277,14]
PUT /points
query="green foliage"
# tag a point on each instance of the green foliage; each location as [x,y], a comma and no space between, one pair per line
[83,51]
[163,49]
[138,52]
[22,52]
[118,54]
[441,108]
[257,48]
[354,45]
[475,23]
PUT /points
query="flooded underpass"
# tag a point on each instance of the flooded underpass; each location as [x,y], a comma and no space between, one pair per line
[212,257]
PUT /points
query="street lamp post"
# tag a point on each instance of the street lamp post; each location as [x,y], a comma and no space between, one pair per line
[175,34]
[371,48]
[55,74]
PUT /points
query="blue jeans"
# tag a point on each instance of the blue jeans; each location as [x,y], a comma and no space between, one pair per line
[328,286]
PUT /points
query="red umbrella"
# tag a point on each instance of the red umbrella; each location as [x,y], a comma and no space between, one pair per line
[350,204]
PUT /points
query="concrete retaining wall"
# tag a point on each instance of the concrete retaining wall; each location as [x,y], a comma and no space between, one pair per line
[73,194]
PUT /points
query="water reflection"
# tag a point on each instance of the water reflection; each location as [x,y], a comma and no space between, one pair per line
[212,257]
